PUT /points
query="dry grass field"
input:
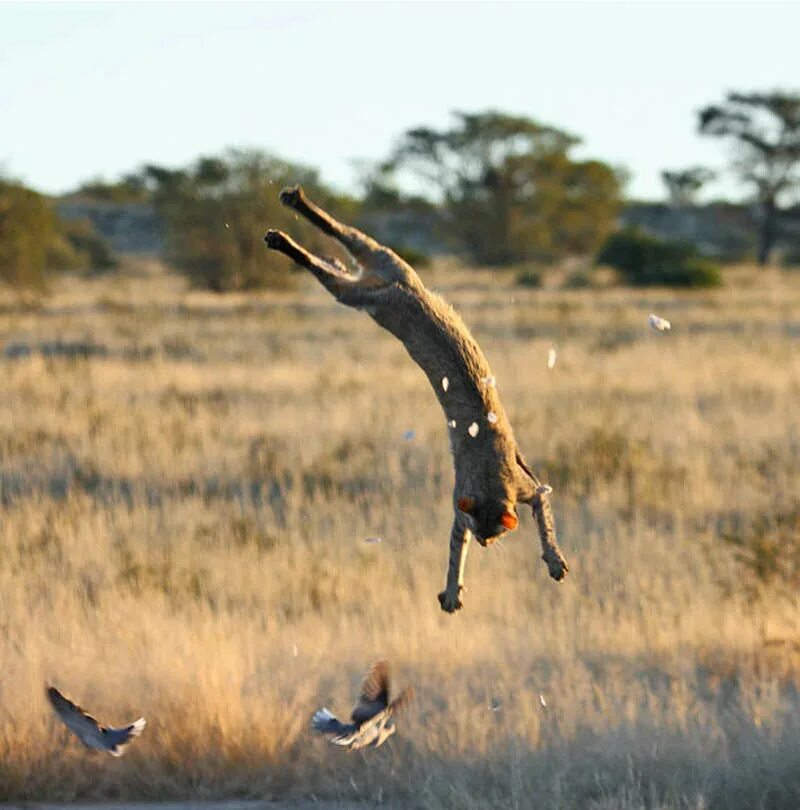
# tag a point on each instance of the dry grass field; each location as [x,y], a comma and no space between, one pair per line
[187,482]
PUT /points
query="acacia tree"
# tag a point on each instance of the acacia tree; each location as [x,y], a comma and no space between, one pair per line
[766,130]
[683,184]
[509,189]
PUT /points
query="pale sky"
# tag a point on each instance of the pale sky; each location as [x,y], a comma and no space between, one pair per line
[95,90]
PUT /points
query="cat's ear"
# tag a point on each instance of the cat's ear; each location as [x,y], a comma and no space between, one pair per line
[509,520]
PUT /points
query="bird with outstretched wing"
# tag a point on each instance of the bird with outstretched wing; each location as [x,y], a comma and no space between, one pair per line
[88,730]
[372,716]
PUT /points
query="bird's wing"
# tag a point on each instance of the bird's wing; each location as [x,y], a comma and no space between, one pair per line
[384,715]
[75,718]
[117,739]
[326,722]
[402,700]
[374,695]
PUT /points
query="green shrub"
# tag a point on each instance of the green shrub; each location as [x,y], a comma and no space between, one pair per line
[27,229]
[699,272]
[646,261]
[92,250]
[33,241]
[416,258]
[530,277]
[61,254]
[578,280]
[216,212]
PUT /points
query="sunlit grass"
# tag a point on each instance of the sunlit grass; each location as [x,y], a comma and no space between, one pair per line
[185,504]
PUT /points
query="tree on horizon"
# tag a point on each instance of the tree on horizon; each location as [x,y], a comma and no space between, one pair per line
[765,128]
[508,187]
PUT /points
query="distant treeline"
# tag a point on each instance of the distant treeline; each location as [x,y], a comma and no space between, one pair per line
[499,191]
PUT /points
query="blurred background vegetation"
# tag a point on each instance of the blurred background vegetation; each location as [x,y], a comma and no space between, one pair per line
[493,189]
[35,240]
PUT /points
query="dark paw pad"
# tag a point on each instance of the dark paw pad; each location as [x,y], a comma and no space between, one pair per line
[274,239]
[291,196]
[449,602]
[556,565]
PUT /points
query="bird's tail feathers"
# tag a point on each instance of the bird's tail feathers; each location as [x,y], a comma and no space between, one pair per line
[121,737]
[137,727]
[325,721]
[322,720]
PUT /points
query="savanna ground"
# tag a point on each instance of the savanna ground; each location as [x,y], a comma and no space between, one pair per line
[187,483]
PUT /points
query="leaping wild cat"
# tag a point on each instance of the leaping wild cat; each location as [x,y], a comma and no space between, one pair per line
[491,474]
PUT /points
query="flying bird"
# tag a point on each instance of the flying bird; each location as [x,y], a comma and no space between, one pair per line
[657,323]
[88,730]
[373,715]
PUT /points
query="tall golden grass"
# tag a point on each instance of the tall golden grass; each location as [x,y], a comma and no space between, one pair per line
[187,483]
